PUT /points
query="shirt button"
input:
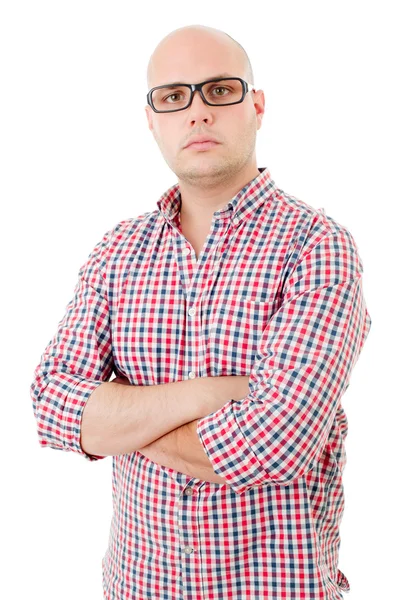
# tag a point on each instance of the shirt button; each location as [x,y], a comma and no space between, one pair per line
[192,311]
[188,550]
[189,491]
[192,375]
[235,221]
[186,251]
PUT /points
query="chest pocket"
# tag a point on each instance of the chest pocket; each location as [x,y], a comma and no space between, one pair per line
[234,334]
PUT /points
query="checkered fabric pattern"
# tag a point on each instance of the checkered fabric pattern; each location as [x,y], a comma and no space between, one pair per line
[277,296]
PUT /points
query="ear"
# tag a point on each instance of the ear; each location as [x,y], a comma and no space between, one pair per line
[149,115]
[259,106]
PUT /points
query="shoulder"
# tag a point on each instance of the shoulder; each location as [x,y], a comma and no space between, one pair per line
[314,225]
[125,233]
[317,236]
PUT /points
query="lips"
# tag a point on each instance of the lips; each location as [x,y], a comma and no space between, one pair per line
[202,145]
[201,139]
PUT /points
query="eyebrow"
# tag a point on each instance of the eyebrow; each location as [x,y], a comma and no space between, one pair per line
[220,76]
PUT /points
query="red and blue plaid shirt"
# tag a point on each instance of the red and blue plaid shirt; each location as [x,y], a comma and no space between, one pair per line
[276,294]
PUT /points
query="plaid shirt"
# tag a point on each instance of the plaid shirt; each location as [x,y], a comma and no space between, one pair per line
[276,294]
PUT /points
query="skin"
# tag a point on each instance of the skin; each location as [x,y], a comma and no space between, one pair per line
[208,179]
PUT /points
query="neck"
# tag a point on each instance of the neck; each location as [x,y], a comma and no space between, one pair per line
[200,202]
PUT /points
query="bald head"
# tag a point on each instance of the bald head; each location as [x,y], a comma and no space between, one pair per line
[179,41]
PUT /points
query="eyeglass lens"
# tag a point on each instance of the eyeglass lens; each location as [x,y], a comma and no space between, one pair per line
[225,91]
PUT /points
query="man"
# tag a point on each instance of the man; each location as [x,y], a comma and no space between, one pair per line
[232,317]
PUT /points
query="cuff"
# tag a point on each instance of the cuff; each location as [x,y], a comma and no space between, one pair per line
[223,440]
[73,410]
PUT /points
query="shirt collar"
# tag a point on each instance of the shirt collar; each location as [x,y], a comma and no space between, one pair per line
[246,201]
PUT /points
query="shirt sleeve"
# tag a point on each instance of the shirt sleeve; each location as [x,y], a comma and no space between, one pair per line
[75,362]
[306,354]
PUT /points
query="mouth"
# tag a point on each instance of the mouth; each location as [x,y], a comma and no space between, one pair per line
[202,145]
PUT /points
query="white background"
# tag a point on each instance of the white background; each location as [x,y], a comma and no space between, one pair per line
[77,157]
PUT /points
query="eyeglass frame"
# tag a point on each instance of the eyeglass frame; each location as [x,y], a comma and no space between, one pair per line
[246,87]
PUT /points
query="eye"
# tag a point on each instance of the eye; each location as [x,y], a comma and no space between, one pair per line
[220,87]
[171,95]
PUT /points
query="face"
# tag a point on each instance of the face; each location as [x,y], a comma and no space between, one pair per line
[193,58]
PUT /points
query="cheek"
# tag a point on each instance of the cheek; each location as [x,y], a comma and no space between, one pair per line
[241,125]
[166,138]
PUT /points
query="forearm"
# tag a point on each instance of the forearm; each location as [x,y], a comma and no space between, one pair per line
[118,419]
[182,450]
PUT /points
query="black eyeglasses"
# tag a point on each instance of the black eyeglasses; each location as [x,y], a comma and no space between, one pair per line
[178,96]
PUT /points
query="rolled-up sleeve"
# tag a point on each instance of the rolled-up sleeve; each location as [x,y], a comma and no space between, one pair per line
[306,354]
[76,360]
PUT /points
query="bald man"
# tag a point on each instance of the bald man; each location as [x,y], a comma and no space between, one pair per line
[232,317]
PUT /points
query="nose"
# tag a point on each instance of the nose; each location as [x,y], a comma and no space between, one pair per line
[199,110]
[197,98]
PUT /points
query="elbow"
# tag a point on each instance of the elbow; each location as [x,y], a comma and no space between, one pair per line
[281,472]
[45,410]
[284,472]
[58,403]
[48,426]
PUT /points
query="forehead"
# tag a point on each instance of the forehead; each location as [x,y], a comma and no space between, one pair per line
[210,76]
[194,60]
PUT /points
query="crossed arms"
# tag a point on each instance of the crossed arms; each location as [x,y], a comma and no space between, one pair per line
[156,420]
[271,432]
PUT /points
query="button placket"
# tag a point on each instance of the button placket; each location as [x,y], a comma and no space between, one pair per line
[203,276]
